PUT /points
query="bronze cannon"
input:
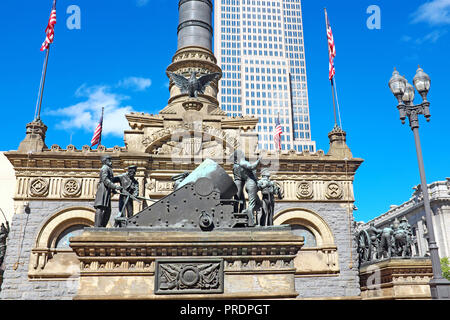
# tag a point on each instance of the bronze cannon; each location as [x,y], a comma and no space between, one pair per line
[203,200]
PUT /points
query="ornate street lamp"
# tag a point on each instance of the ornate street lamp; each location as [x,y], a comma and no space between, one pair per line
[404,92]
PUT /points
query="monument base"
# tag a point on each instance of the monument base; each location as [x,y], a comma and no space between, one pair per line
[144,263]
[396,278]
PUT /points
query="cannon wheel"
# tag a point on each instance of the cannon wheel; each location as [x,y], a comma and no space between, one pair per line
[364,247]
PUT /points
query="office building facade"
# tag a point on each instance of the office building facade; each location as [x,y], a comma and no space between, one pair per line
[259,46]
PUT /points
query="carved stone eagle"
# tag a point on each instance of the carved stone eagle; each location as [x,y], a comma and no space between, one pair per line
[193,85]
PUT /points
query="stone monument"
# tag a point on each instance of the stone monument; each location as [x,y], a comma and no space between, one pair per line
[309,252]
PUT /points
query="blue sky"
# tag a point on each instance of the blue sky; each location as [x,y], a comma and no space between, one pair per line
[120,54]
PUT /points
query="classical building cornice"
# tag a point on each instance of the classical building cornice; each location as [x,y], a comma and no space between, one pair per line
[438,194]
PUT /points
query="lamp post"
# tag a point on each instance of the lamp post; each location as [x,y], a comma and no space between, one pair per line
[404,92]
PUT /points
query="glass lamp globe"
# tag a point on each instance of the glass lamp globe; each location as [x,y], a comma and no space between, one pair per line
[422,82]
[408,96]
[397,84]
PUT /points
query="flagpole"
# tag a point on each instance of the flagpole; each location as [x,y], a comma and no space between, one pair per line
[331,80]
[334,100]
[44,74]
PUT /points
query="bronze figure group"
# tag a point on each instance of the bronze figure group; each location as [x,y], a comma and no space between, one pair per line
[395,240]
[258,212]
[128,189]
[245,177]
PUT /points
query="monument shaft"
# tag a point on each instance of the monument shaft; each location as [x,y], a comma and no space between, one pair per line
[195,24]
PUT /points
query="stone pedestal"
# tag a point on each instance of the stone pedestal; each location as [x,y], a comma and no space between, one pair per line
[395,279]
[173,264]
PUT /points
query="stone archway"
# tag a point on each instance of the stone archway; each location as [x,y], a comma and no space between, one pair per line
[47,259]
[315,260]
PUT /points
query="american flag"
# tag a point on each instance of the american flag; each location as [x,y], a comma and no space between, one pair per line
[278,133]
[97,138]
[331,48]
[50,30]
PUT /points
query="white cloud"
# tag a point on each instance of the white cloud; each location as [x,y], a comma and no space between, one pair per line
[135,83]
[86,114]
[432,37]
[435,12]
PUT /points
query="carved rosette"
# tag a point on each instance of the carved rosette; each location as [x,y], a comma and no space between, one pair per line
[305,190]
[71,188]
[196,276]
[333,190]
[39,187]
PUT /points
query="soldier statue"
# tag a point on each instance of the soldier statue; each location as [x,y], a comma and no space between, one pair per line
[268,190]
[375,240]
[245,176]
[106,185]
[131,186]
[386,242]
[402,237]
[4,231]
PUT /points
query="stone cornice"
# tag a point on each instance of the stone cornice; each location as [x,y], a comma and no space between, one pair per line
[412,204]
[142,243]
[244,123]
[142,120]
[79,160]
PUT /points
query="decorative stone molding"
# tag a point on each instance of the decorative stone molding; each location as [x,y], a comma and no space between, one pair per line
[160,137]
[396,279]
[305,190]
[71,147]
[71,188]
[252,262]
[39,187]
[192,105]
[189,276]
[333,190]
[55,148]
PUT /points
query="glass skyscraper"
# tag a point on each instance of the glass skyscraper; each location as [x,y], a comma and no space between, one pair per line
[259,46]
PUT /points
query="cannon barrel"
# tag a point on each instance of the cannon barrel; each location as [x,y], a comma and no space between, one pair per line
[216,174]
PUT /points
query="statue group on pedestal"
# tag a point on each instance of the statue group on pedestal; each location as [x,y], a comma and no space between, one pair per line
[258,211]
[395,240]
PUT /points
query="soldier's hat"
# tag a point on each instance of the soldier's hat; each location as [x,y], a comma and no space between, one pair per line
[265,173]
[404,219]
[132,167]
[105,157]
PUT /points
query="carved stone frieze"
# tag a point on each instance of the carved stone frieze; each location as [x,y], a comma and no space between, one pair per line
[171,135]
[305,190]
[71,188]
[194,276]
[39,187]
[333,190]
